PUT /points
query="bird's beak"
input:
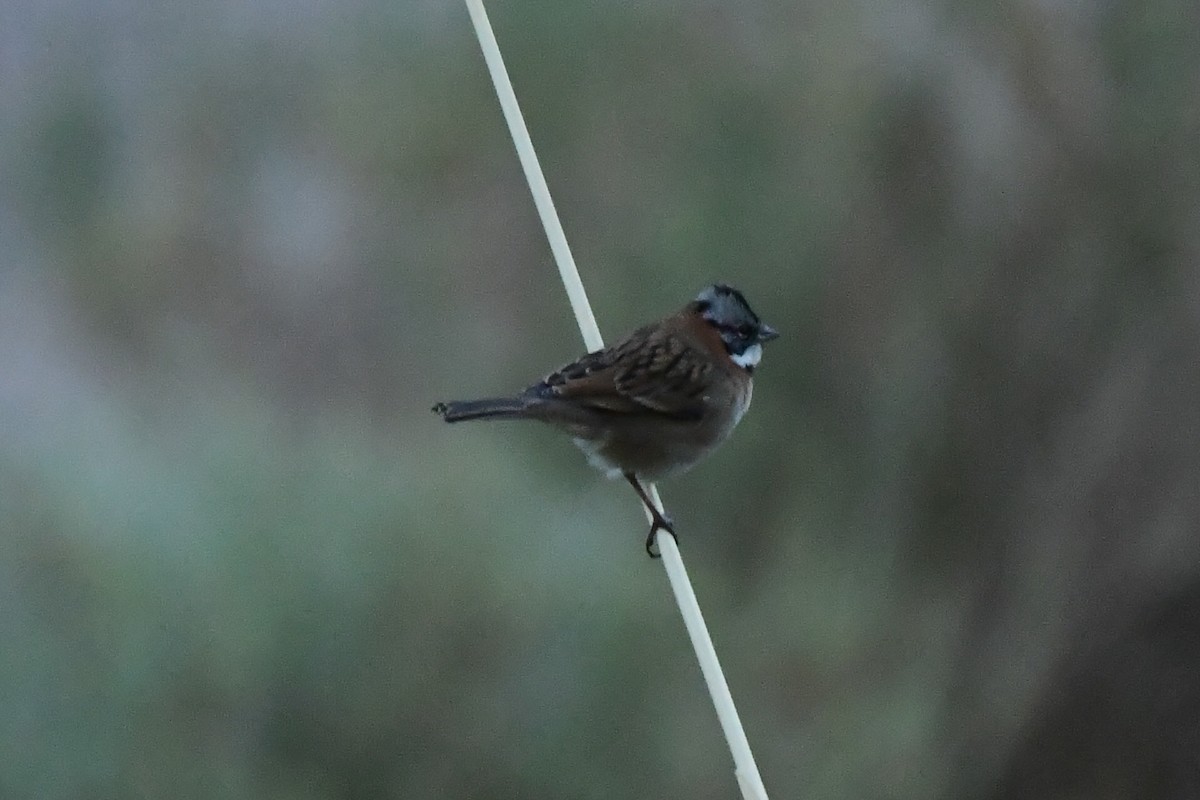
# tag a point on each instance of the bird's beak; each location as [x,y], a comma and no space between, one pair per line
[766,333]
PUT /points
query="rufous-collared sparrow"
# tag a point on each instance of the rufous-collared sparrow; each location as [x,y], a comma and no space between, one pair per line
[653,404]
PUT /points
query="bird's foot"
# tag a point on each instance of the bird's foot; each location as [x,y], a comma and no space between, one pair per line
[661,522]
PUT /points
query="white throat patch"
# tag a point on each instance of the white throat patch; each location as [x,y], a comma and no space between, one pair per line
[748,357]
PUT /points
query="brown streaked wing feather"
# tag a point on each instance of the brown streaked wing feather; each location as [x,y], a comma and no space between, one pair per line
[579,373]
[663,374]
[589,382]
[650,371]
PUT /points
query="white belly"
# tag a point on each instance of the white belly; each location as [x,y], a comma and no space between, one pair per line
[593,451]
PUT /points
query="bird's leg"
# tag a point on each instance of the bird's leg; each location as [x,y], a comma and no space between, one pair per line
[659,520]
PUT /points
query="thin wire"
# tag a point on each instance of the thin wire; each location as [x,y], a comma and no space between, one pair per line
[746,770]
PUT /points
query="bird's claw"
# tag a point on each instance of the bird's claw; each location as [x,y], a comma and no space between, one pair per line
[661,522]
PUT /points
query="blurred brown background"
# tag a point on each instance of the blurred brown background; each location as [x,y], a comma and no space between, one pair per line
[952,552]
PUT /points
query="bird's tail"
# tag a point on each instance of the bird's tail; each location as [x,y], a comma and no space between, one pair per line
[490,408]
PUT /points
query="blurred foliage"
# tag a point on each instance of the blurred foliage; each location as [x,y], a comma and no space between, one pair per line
[952,551]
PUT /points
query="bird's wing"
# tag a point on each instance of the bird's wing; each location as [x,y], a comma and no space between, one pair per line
[653,371]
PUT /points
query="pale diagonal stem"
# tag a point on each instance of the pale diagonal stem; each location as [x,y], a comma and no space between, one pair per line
[746,770]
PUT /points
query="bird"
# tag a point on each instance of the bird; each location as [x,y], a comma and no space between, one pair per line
[653,404]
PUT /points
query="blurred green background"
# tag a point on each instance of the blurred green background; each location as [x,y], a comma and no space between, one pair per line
[952,552]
